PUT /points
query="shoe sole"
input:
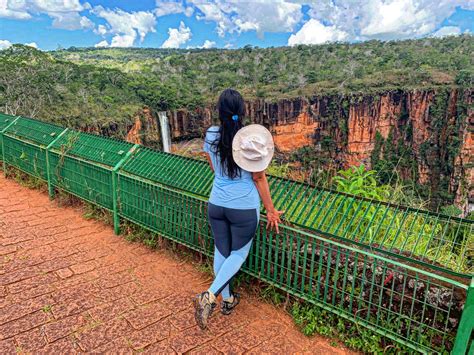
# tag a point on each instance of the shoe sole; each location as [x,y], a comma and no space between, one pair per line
[198,314]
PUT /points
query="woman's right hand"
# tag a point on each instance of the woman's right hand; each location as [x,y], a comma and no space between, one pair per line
[273,219]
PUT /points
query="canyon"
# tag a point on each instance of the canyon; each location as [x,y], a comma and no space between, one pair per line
[433,127]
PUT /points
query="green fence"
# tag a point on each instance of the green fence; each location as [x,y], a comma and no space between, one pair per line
[404,273]
[419,236]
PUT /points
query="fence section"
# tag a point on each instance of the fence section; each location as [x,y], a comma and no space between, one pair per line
[443,242]
[83,164]
[24,144]
[357,258]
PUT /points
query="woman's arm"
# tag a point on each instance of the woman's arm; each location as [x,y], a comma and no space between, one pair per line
[209,161]
[273,216]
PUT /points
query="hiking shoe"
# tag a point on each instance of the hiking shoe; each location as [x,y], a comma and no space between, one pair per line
[203,309]
[228,307]
[213,307]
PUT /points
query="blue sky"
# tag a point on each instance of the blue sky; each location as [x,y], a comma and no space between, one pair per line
[48,24]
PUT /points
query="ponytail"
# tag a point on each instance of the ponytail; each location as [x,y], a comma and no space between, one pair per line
[231,110]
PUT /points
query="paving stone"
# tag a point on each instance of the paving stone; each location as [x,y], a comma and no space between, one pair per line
[8,249]
[146,315]
[31,340]
[89,291]
[66,309]
[42,279]
[114,293]
[23,324]
[117,347]
[19,309]
[153,333]
[102,334]
[162,347]
[83,267]
[107,311]
[205,350]
[108,281]
[64,273]
[8,347]
[64,327]
[19,275]
[150,295]
[189,339]
[62,346]
[183,320]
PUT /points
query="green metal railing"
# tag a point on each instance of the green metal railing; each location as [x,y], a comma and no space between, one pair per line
[419,236]
[404,273]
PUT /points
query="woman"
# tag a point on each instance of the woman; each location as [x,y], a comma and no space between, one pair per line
[234,203]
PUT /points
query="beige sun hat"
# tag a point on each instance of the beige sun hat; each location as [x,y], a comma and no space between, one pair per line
[252,148]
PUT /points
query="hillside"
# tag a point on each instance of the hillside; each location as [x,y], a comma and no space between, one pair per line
[102,86]
[404,108]
[198,75]
[35,84]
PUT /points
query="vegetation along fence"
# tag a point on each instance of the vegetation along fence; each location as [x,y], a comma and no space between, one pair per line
[401,272]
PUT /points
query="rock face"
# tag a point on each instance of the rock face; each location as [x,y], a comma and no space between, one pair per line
[145,130]
[431,129]
[463,177]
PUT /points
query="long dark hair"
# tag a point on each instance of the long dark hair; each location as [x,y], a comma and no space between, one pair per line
[229,105]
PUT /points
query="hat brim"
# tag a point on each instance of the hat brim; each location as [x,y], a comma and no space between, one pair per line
[252,165]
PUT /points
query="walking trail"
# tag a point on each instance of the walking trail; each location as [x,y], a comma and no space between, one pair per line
[70,285]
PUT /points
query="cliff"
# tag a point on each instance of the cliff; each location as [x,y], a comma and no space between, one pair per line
[145,130]
[427,135]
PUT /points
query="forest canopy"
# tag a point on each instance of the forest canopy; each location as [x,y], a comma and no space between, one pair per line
[103,87]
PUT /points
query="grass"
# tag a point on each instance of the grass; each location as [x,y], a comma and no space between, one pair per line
[93,212]
[47,308]
[26,180]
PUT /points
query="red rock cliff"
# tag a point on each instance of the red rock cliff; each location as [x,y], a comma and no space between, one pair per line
[436,125]
[145,130]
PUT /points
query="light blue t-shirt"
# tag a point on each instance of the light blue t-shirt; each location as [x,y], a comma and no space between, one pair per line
[240,192]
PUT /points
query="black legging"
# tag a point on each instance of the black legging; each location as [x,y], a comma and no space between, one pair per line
[233,231]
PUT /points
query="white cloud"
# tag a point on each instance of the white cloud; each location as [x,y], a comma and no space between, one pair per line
[101,44]
[189,11]
[258,15]
[385,19]
[123,41]
[32,44]
[101,30]
[447,31]
[335,19]
[177,36]
[65,13]
[4,44]
[71,21]
[208,44]
[14,10]
[314,32]
[398,17]
[212,12]
[164,8]
[125,26]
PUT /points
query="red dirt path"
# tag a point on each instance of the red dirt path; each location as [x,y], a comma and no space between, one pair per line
[70,285]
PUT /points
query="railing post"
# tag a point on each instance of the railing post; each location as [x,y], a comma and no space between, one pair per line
[464,344]
[115,188]
[48,172]
[4,163]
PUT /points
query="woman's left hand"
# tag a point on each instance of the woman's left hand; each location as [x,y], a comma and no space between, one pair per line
[273,219]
